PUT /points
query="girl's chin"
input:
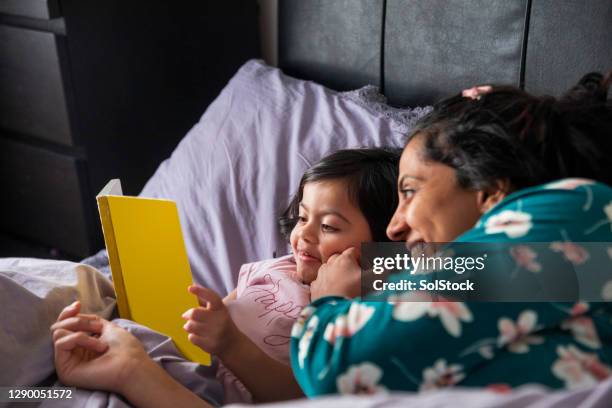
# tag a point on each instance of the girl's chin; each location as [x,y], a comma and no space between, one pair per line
[308,274]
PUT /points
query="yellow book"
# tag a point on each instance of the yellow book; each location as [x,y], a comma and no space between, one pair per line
[149,264]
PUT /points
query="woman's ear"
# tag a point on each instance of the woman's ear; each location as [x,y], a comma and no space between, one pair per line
[491,196]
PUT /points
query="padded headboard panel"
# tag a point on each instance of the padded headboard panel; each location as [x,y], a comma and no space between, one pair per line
[419,51]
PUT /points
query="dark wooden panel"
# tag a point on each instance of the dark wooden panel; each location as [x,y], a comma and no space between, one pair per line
[32,99]
[31,8]
[435,48]
[43,197]
[144,71]
[567,39]
[336,43]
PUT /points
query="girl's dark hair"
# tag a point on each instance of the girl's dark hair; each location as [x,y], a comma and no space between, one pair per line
[371,177]
[508,134]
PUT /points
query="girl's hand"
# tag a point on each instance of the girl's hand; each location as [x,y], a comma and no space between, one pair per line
[91,352]
[339,276]
[210,325]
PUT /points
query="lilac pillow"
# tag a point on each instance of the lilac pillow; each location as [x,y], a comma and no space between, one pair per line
[236,169]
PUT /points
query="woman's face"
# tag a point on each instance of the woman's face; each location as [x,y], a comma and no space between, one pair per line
[328,224]
[432,206]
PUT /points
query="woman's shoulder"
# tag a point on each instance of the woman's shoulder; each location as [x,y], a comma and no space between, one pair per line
[576,209]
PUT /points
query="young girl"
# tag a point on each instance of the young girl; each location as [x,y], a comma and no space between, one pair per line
[345,199]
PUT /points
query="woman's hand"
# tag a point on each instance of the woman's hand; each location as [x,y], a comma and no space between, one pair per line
[91,352]
[339,276]
[210,325]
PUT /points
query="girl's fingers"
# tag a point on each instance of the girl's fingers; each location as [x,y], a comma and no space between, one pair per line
[207,297]
[194,327]
[70,310]
[69,341]
[197,340]
[197,313]
[88,323]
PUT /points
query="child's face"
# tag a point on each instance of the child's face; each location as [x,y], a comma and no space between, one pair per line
[328,224]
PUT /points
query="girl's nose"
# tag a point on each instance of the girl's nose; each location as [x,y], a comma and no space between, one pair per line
[307,234]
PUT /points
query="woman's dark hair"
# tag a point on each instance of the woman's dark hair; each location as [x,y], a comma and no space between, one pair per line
[508,134]
[371,177]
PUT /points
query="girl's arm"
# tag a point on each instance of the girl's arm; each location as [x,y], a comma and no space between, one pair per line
[230,296]
[211,328]
[266,378]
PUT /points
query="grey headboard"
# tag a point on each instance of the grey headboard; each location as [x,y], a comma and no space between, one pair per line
[418,51]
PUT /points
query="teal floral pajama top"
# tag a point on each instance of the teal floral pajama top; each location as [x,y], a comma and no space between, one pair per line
[359,346]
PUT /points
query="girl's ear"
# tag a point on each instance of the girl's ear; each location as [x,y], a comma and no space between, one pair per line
[491,196]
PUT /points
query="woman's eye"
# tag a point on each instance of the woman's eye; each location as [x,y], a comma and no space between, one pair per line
[328,228]
[301,219]
[407,192]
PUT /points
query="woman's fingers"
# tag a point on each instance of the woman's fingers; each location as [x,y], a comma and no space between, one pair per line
[351,252]
[59,333]
[88,323]
[70,310]
[68,341]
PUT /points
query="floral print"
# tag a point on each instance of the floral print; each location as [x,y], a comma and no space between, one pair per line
[413,343]
[298,326]
[348,324]
[525,257]
[570,183]
[573,253]
[451,314]
[582,326]
[305,339]
[361,379]
[512,223]
[441,375]
[606,291]
[517,337]
[579,369]
[608,211]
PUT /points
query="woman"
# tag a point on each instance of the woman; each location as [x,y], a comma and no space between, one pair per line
[473,172]
[441,196]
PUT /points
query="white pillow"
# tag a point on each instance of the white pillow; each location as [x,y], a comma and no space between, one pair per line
[235,171]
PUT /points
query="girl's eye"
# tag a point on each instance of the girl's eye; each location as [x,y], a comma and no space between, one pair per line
[301,219]
[328,228]
[407,192]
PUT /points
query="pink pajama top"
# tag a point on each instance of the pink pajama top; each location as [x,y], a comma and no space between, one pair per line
[269,298]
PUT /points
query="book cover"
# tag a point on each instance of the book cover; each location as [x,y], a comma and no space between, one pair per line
[149,264]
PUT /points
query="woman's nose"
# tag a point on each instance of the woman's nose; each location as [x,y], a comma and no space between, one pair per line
[397,230]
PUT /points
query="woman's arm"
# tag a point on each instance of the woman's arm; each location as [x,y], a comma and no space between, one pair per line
[112,360]
[150,386]
[355,346]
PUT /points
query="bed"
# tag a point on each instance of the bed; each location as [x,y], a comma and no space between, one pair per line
[354,73]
